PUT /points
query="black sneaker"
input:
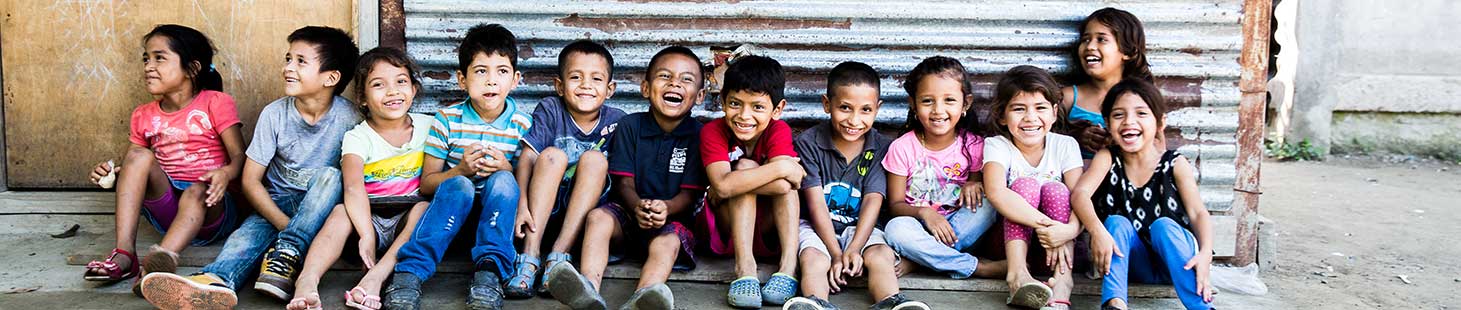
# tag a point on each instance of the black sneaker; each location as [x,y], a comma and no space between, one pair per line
[485,292]
[277,273]
[899,302]
[404,293]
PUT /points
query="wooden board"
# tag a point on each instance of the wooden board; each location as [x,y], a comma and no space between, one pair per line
[73,72]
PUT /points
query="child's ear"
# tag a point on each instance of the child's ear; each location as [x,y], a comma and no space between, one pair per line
[826,104]
[558,86]
[462,80]
[332,78]
[644,88]
[610,94]
[517,77]
[780,107]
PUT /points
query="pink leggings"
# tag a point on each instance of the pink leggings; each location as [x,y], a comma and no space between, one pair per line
[1052,199]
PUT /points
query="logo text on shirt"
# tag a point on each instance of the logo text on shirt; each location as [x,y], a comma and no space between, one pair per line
[677,160]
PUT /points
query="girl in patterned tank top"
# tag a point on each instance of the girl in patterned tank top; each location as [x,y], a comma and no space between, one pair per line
[1141,206]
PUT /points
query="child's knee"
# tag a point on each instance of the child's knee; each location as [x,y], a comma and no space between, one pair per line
[1025,185]
[552,157]
[1054,188]
[879,256]
[902,228]
[814,260]
[743,164]
[665,242]
[195,192]
[501,186]
[600,218]
[1119,225]
[138,154]
[593,159]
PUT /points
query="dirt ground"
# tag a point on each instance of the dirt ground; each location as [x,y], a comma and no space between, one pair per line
[1365,232]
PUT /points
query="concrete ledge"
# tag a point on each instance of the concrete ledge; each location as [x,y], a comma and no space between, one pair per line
[711,269]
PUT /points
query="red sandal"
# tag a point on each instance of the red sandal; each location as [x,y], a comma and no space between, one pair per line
[108,270]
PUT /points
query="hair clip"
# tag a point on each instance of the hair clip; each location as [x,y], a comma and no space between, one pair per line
[212,68]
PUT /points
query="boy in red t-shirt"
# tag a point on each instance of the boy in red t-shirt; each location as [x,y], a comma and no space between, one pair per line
[754,174]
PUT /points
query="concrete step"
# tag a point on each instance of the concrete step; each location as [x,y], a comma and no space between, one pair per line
[95,208]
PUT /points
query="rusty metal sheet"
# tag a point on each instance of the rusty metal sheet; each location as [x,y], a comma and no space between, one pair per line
[1194,48]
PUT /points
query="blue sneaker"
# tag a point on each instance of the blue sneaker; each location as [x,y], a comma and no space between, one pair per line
[780,288]
[745,293]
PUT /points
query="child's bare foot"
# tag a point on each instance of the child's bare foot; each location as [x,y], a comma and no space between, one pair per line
[991,269]
[905,267]
[309,301]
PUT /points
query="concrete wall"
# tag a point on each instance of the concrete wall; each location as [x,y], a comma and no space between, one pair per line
[1379,76]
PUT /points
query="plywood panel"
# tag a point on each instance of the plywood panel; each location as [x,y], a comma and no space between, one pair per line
[73,71]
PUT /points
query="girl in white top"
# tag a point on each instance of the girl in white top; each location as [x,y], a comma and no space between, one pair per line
[1028,173]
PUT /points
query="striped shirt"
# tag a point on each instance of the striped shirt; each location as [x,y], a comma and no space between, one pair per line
[459,126]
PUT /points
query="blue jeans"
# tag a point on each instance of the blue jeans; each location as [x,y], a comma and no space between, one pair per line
[307,211]
[911,240]
[1172,245]
[454,201]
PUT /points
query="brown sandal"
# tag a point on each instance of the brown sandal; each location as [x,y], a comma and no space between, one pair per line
[108,270]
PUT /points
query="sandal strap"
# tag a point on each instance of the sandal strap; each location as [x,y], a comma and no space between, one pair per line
[1059,302]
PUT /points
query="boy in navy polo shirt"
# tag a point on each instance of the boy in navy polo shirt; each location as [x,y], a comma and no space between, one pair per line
[654,163]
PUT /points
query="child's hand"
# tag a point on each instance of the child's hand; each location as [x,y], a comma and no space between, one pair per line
[102,170]
[1059,258]
[937,225]
[835,281]
[493,160]
[972,195]
[1102,247]
[217,185]
[651,213]
[1053,234]
[1203,264]
[523,225]
[366,247]
[792,168]
[471,156]
[1091,138]
[852,263]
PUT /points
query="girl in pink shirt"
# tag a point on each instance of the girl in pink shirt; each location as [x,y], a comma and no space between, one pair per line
[184,153]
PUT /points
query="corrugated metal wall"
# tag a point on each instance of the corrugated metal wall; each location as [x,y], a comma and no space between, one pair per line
[1194,48]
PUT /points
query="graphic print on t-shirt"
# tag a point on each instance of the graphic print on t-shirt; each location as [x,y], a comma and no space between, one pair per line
[934,183]
[843,201]
[197,124]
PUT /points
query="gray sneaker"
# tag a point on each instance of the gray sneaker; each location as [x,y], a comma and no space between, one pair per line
[899,302]
[573,289]
[808,303]
[654,297]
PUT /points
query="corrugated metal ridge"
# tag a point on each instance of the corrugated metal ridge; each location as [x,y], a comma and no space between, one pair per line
[1193,47]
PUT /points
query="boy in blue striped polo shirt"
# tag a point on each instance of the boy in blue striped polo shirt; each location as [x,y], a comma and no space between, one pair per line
[471,151]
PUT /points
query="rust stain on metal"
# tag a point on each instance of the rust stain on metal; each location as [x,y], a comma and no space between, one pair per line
[613,25]
[437,75]
[393,23]
[525,50]
[1257,15]
[1191,50]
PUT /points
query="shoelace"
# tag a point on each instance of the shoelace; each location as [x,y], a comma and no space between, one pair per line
[283,264]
